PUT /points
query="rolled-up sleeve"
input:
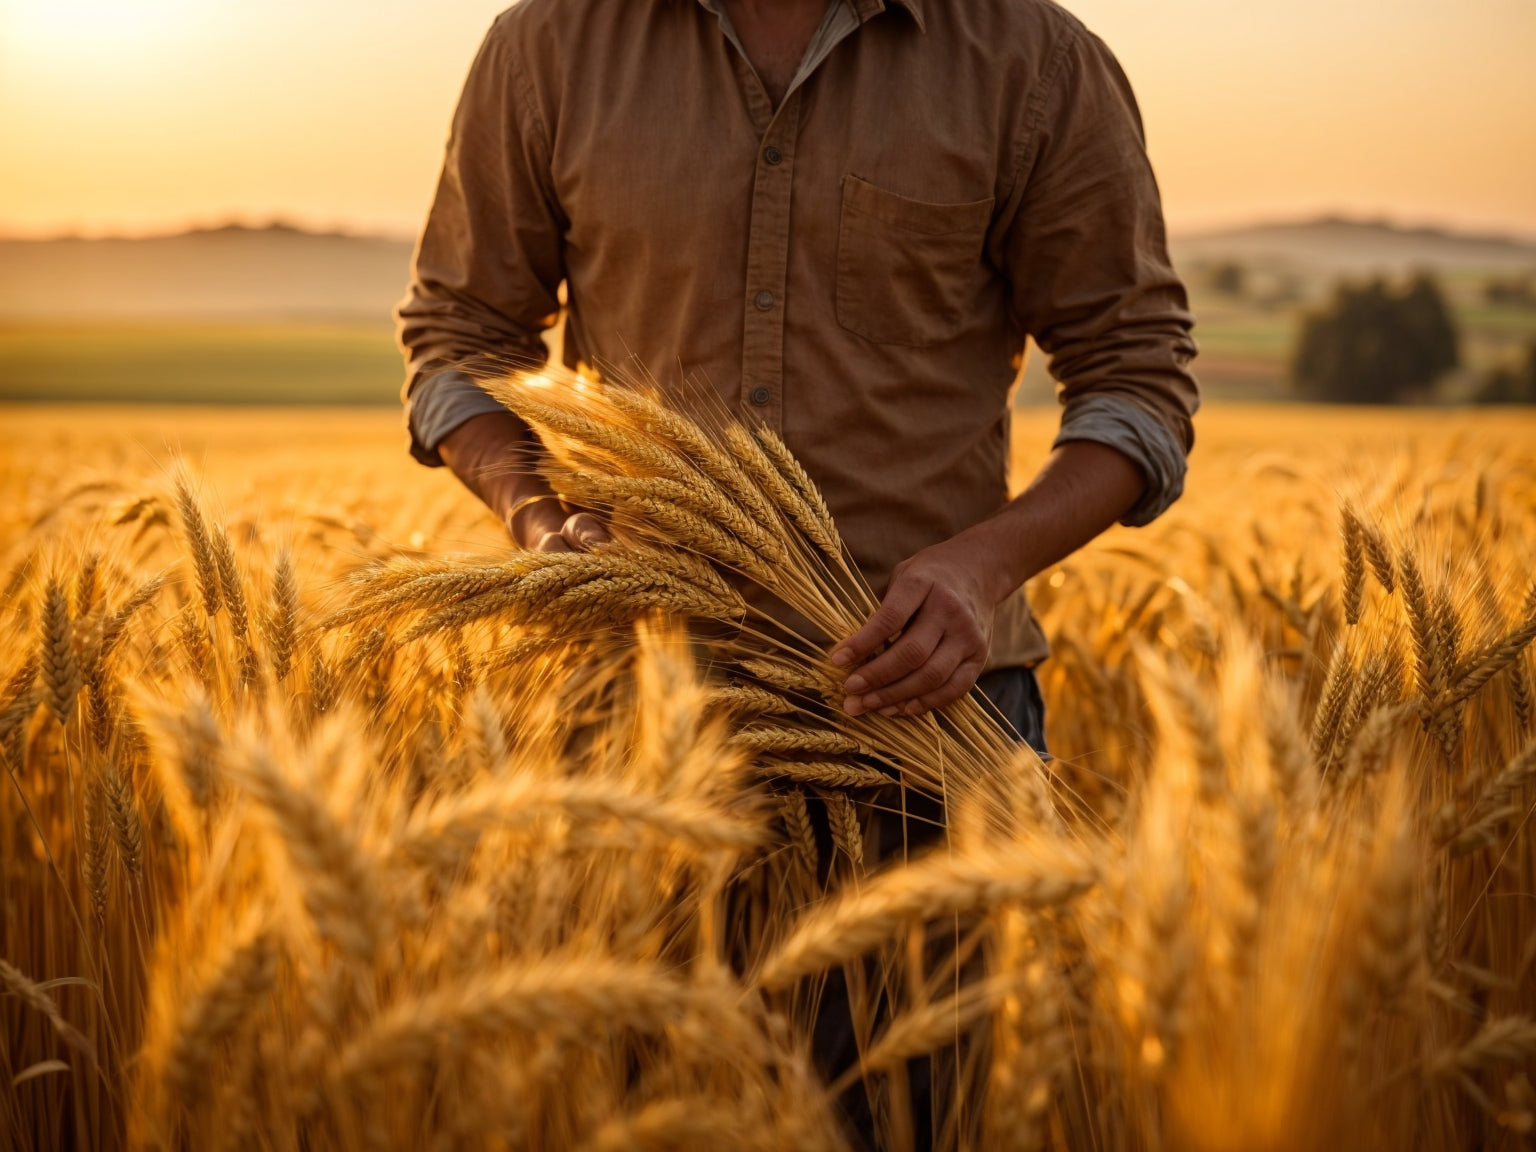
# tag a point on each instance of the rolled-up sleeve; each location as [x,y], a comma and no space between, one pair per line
[487,269]
[1086,254]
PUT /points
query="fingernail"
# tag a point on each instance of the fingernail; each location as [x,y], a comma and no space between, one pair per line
[853,705]
[855,685]
[842,658]
[890,711]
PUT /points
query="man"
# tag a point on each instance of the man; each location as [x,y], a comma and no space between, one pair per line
[846,215]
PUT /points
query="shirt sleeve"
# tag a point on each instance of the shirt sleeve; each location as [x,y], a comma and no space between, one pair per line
[1086,253]
[439,404]
[488,266]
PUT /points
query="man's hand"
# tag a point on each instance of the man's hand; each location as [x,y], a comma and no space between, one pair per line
[486,453]
[548,524]
[937,612]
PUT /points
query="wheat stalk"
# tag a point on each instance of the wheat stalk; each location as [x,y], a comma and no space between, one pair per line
[1036,874]
[214,1011]
[590,998]
[204,561]
[59,663]
[36,997]
[445,832]
[340,887]
[282,629]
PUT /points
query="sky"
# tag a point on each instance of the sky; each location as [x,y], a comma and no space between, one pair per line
[143,116]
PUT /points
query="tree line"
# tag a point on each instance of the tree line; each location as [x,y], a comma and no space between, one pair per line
[1378,344]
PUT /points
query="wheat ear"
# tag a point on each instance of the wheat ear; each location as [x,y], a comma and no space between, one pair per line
[446,831]
[590,998]
[123,817]
[36,997]
[1036,874]
[59,661]
[204,562]
[339,887]
[283,618]
[213,1012]
[1354,564]
[696,1122]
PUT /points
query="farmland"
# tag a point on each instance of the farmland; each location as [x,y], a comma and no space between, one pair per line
[277,315]
[333,824]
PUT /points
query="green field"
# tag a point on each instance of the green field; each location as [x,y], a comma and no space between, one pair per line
[1244,351]
[276,362]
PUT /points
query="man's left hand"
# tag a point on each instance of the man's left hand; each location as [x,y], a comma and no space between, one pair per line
[937,613]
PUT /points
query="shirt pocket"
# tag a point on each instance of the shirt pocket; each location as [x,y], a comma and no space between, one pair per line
[907,270]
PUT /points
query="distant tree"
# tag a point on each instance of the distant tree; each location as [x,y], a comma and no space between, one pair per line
[1230,279]
[1429,329]
[1514,384]
[1373,345]
[1511,293]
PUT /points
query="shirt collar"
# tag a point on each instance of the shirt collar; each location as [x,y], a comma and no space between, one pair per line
[866,9]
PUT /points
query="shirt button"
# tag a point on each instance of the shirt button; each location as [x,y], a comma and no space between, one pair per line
[773,155]
[760,396]
[763,300]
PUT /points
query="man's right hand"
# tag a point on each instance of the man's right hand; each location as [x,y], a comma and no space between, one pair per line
[489,453]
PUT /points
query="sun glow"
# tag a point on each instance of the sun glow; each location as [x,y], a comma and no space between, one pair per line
[53,32]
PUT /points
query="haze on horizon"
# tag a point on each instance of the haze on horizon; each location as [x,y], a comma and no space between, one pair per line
[135,116]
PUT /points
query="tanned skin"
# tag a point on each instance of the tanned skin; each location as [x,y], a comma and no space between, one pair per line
[937,611]
[939,605]
[483,452]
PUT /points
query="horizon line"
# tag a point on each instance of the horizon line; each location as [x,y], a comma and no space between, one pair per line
[1402,223]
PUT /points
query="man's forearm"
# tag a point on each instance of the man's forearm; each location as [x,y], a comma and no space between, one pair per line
[1083,489]
[491,454]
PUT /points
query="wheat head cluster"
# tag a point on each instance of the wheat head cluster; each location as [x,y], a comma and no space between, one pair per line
[323,841]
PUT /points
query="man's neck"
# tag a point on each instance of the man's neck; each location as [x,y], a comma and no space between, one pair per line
[775,34]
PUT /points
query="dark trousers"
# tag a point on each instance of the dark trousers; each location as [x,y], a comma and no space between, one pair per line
[917,822]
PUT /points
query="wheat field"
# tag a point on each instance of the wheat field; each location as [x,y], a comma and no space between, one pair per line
[330,823]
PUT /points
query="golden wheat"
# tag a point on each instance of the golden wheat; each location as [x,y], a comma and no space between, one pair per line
[325,834]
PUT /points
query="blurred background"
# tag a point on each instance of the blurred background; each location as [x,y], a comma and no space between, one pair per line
[213,201]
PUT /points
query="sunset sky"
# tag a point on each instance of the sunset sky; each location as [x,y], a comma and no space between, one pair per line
[147,115]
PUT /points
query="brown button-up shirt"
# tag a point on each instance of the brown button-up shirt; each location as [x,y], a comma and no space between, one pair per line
[858,266]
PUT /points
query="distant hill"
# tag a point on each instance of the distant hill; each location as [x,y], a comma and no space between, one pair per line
[1337,246]
[220,273]
[284,272]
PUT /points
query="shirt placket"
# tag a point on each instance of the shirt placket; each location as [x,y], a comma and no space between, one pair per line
[762,353]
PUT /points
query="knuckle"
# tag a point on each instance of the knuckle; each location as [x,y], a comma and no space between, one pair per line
[928,679]
[906,657]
